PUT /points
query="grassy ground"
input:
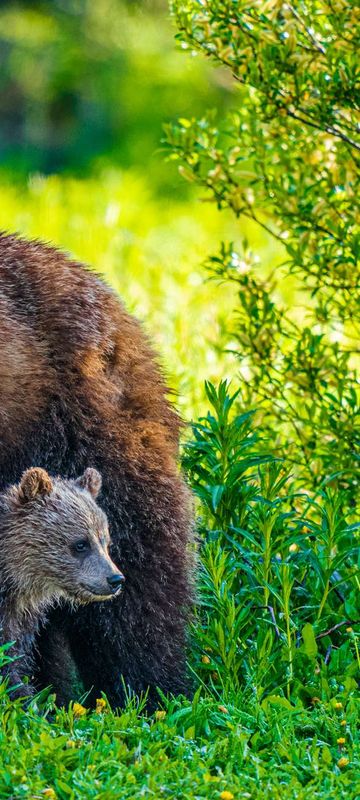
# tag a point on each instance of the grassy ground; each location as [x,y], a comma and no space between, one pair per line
[203,750]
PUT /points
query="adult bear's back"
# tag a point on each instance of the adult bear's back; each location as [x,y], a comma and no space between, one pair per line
[79,386]
[67,340]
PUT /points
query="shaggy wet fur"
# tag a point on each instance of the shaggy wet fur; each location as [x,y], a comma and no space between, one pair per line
[54,543]
[79,385]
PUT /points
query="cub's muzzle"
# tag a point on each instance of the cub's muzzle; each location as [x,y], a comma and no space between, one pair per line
[116,581]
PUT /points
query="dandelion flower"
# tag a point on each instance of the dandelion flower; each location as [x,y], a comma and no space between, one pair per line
[100,705]
[226,795]
[341,740]
[343,762]
[343,723]
[338,706]
[160,714]
[79,710]
[205,659]
[49,792]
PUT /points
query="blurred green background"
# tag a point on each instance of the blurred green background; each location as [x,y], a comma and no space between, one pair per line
[85,85]
[85,88]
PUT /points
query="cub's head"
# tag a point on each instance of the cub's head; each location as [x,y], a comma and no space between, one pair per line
[55,539]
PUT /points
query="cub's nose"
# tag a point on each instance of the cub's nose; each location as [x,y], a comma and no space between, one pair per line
[115,581]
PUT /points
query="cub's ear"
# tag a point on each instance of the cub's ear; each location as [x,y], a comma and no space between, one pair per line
[90,480]
[34,483]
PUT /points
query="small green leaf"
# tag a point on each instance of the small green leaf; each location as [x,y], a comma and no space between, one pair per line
[309,640]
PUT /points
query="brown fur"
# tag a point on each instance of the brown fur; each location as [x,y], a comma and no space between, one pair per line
[79,384]
[54,544]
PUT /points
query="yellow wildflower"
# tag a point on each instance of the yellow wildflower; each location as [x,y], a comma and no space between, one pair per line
[349,630]
[343,723]
[338,706]
[343,762]
[205,659]
[78,710]
[293,548]
[70,744]
[226,795]
[340,740]
[100,705]
[49,792]
[160,714]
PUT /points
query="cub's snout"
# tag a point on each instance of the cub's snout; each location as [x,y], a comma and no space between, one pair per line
[116,582]
[99,577]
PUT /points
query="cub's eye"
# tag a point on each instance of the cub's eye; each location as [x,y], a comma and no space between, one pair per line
[81,546]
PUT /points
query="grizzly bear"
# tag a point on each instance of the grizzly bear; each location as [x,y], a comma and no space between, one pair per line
[54,542]
[79,385]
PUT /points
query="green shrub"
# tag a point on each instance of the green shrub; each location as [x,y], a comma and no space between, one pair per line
[279,574]
[287,157]
[279,583]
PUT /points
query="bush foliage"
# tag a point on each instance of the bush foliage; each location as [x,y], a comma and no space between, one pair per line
[287,156]
[279,596]
[279,577]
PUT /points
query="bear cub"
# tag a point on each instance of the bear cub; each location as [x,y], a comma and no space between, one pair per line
[54,544]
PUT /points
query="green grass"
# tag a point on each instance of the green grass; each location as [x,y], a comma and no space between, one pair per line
[196,750]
